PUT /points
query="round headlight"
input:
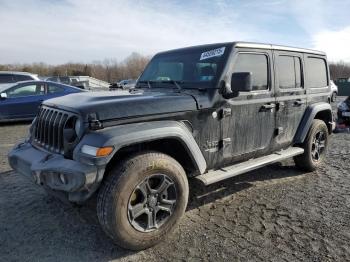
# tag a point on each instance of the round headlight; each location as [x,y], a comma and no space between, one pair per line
[77,126]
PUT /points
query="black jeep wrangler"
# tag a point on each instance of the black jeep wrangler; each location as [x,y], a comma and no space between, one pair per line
[208,112]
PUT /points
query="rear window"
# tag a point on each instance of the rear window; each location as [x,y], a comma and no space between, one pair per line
[289,72]
[316,72]
[22,78]
[6,78]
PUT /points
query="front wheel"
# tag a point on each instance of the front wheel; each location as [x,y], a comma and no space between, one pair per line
[315,147]
[142,200]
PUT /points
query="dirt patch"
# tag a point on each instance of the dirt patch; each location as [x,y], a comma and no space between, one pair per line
[276,213]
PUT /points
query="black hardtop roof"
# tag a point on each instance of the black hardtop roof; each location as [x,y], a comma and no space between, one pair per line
[246,45]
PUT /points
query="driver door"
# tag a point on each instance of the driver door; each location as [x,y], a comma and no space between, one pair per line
[22,100]
[249,118]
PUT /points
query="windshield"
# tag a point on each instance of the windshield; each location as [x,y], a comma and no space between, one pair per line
[194,66]
[3,87]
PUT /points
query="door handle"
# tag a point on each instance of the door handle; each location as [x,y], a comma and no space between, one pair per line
[268,106]
[280,105]
[299,102]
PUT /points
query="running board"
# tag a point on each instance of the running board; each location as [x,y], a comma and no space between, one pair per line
[214,176]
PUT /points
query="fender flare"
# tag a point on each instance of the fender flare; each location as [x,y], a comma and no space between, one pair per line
[131,134]
[309,115]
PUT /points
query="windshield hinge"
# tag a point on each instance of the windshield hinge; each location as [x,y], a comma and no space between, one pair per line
[95,124]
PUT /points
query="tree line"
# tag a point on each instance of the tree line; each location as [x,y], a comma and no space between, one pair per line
[339,70]
[111,70]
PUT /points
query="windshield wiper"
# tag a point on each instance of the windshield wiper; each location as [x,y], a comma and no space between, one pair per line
[146,82]
[176,83]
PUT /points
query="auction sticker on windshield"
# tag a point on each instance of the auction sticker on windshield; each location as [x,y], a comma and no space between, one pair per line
[212,53]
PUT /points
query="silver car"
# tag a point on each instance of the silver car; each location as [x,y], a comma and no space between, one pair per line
[334,91]
[127,84]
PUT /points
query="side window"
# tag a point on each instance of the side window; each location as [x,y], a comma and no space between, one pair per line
[52,89]
[22,78]
[289,72]
[205,71]
[257,64]
[6,78]
[316,72]
[26,90]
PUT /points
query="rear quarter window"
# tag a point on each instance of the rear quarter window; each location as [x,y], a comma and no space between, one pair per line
[316,72]
[52,89]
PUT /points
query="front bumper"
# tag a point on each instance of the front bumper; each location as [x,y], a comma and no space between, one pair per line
[77,180]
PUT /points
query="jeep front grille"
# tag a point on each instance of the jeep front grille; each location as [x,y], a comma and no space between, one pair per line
[49,126]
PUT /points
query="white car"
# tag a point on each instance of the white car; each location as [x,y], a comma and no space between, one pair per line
[9,77]
[334,91]
[127,84]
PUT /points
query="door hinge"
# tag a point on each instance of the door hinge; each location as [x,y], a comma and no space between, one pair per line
[226,147]
[279,130]
[226,112]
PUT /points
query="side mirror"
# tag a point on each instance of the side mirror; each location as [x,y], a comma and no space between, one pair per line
[3,95]
[241,82]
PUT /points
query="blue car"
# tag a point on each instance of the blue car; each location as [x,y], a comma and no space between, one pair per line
[20,101]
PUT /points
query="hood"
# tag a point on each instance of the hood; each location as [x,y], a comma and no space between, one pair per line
[123,104]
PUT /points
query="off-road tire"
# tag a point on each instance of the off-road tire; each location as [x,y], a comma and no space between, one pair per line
[118,186]
[306,161]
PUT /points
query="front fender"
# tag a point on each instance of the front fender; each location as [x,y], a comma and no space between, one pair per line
[130,134]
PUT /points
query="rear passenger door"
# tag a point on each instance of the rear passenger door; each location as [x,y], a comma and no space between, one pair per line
[290,96]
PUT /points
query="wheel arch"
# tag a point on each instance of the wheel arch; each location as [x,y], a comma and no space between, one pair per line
[321,111]
[170,146]
[170,137]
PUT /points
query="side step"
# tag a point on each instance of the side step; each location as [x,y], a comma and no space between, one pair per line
[214,176]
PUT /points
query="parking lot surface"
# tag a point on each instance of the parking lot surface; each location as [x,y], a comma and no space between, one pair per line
[277,213]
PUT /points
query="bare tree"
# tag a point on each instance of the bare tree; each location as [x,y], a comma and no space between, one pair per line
[339,70]
[109,69]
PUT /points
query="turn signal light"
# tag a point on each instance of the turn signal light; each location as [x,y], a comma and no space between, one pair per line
[97,151]
[104,151]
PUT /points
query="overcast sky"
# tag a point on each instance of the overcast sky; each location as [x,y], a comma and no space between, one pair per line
[60,31]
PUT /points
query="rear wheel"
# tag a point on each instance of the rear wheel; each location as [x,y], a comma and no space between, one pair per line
[142,200]
[315,146]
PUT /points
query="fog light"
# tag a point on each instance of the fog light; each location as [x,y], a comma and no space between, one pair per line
[63,179]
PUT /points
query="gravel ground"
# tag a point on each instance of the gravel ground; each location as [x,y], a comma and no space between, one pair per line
[276,213]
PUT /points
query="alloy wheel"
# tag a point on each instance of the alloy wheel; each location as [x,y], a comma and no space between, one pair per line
[152,202]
